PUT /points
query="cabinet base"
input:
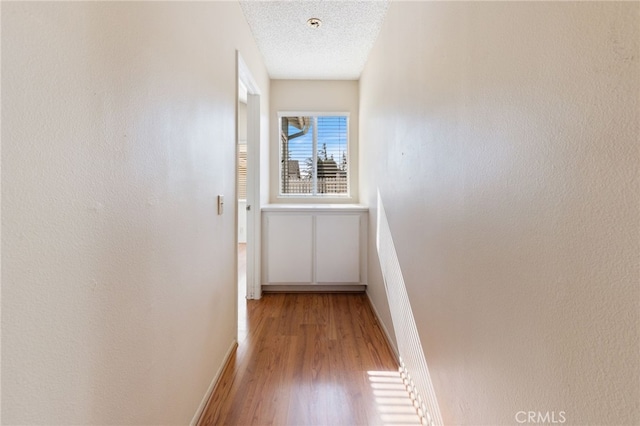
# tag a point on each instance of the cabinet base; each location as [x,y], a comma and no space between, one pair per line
[313,288]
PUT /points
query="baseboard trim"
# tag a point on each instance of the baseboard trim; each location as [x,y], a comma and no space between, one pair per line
[385,331]
[214,383]
[313,288]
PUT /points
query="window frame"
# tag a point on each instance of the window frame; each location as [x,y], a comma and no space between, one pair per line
[314,114]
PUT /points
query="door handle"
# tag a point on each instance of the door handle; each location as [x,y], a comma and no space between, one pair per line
[248,207]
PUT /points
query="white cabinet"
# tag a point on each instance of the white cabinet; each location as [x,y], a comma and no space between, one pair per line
[289,248]
[337,238]
[311,245]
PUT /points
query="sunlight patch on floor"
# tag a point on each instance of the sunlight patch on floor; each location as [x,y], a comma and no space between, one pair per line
[392,399]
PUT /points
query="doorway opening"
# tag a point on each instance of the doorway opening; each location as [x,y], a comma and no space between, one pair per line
[248,192]
[241,184]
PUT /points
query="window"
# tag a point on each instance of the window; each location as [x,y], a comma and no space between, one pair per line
[314,155]
[242,171]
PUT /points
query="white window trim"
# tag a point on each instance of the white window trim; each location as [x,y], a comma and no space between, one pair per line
[349,178]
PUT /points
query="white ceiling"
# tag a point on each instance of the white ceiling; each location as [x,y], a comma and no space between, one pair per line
[292,49]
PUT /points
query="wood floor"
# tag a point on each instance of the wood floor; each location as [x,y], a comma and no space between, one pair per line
[311,359]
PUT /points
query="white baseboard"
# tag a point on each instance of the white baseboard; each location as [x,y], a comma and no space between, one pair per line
[313,288]
[384,328]
[212,386]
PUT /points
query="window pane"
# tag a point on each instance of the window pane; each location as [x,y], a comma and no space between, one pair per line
[332,155]
[297,155]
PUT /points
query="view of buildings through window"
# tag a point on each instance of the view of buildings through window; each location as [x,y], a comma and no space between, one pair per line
[314,155]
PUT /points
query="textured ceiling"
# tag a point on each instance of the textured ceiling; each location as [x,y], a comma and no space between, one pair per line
[337,50]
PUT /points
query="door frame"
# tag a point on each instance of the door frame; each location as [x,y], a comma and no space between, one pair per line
[254,288]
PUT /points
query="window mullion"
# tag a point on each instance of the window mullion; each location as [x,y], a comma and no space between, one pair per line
[315,157]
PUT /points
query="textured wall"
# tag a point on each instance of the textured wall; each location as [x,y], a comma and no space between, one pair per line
[314,96]
[504,140]
[118,281]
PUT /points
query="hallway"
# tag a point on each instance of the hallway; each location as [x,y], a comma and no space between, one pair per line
[493,146]
[311,359]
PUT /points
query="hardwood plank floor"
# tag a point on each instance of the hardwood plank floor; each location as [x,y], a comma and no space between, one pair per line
[311,359]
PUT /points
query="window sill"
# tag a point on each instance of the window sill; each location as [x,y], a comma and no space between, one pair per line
[314,199]
[314,207]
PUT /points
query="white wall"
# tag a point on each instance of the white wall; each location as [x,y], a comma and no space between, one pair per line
[504,140]
[118,275]
[242,122]
[314,96]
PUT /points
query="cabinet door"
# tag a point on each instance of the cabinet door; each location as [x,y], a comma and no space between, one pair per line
[337,248]
[289,248]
